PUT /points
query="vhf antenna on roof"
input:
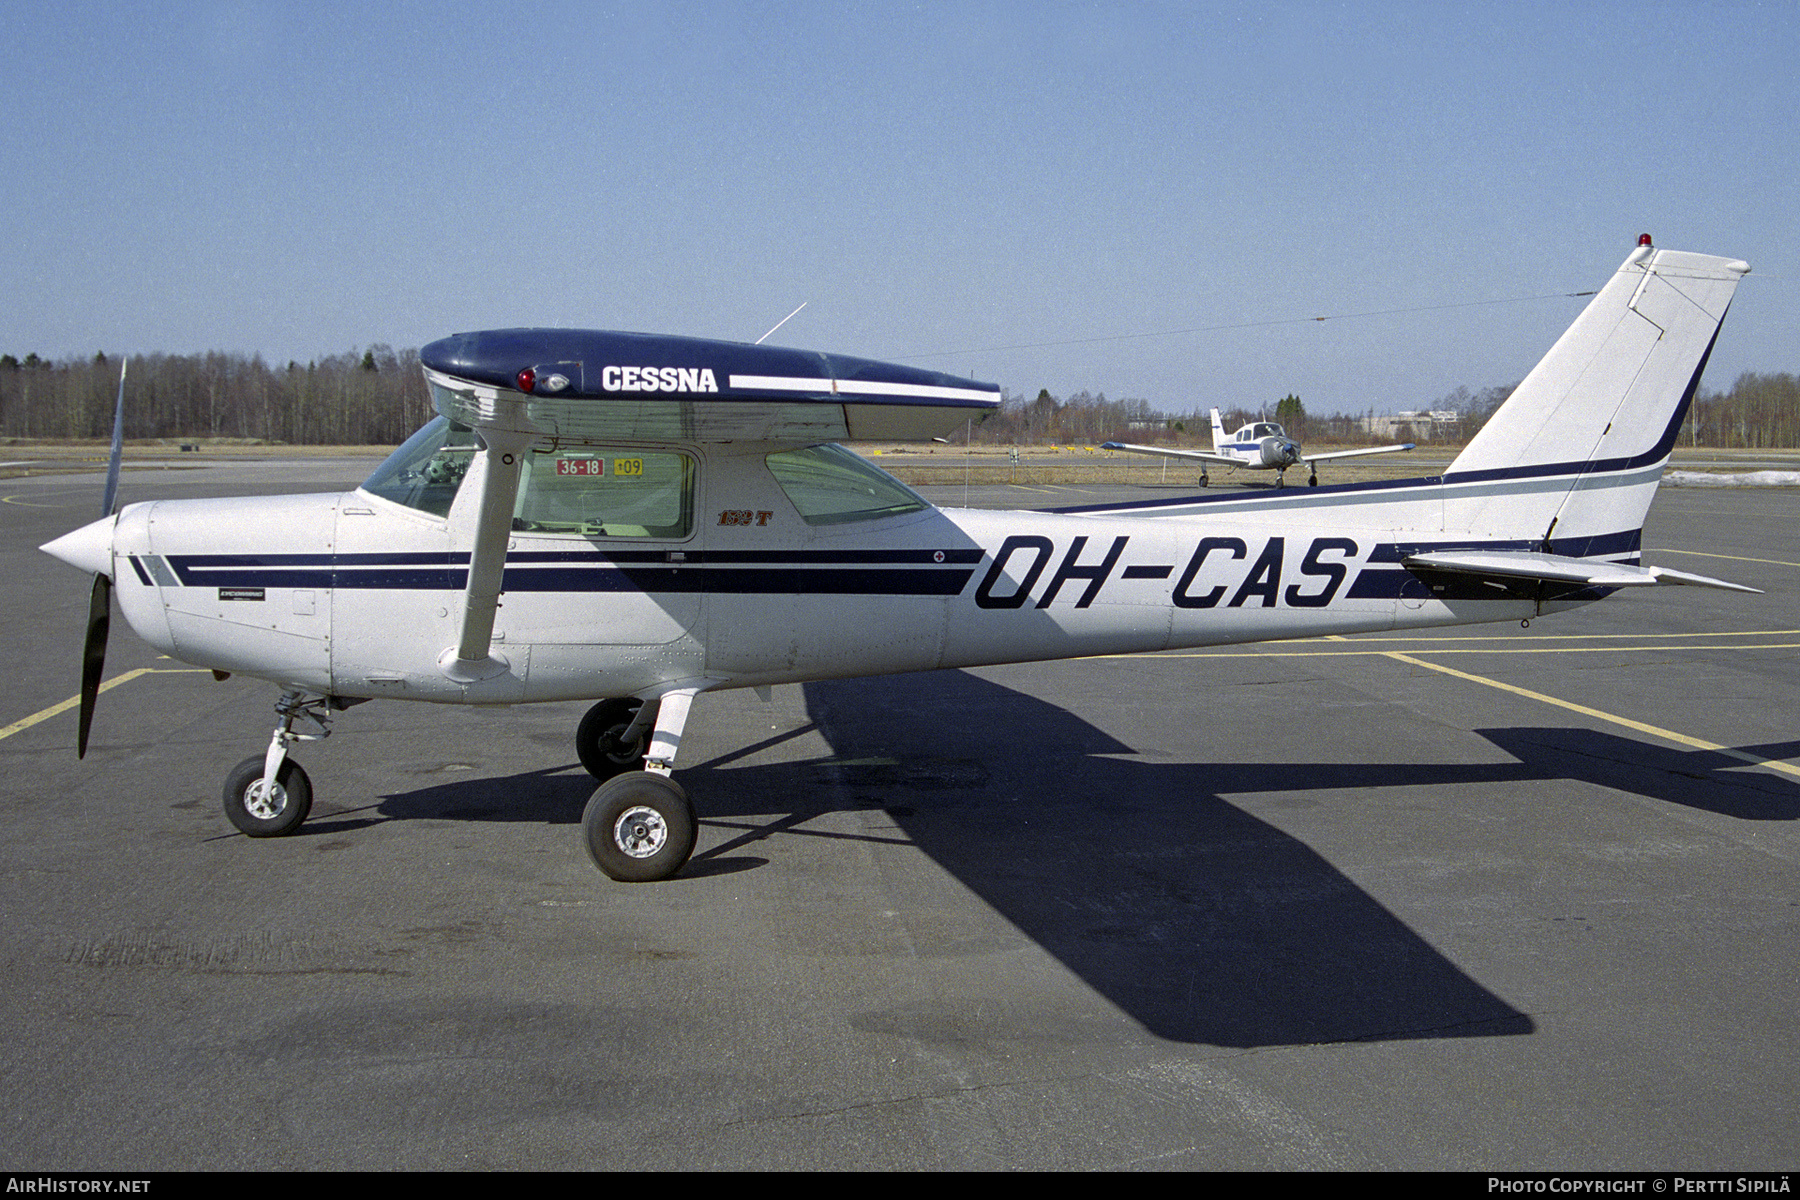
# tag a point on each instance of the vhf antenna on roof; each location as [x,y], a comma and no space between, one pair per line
[780,323]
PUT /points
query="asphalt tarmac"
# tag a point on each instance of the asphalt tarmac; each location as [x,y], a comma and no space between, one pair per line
[1488,898]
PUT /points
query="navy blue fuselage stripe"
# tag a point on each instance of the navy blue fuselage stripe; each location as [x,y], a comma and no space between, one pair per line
[969,555]
[206,562]
[789,573]
[595,575]
[677,579]
[1628,541]
[377,559]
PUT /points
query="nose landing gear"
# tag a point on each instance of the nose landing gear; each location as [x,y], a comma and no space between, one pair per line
[270,795]
[259,810]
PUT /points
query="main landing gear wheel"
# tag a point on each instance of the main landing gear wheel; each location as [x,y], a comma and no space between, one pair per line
[639,827]
[599,739]
[274,815]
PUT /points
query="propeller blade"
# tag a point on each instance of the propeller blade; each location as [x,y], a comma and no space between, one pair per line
[93,657]
[118,445]
[99,622]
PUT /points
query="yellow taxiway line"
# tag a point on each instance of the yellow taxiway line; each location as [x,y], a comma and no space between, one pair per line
[1411,659]
[1485,645]
[27,722]
[1680,739]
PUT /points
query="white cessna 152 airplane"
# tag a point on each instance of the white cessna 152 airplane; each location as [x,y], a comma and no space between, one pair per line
[640,520]
[1259,445]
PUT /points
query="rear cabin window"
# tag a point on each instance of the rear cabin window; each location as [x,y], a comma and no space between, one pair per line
[828,485]
[601,491]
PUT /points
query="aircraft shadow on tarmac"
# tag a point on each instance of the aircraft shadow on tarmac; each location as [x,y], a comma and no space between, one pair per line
[1197,919]
[1703,779]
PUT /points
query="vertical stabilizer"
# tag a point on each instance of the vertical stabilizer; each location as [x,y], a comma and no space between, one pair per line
[1574,455]
[1218,432]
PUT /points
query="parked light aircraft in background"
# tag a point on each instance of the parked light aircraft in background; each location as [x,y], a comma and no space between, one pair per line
[1259,445]
[639,520]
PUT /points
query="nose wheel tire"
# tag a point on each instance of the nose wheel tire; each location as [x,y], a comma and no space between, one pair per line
[599,739]
[274,814]
[639,827]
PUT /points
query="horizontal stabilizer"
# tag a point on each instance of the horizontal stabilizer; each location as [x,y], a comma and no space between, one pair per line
[1556,568]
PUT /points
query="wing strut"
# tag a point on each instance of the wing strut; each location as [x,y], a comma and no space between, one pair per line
[471,659]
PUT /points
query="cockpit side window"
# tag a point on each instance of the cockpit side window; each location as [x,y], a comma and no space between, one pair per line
[426,471]
[829,485]
[606,491]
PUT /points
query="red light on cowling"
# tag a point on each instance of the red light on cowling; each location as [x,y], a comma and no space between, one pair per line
[526,379]
[1644,240]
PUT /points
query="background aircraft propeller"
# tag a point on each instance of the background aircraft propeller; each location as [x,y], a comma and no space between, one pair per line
[99,621]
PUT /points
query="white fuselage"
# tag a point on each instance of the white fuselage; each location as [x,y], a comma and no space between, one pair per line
[1260,445]
[356,596]
[637,545]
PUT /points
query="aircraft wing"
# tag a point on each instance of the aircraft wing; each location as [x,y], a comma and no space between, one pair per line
[1556,568]
[596,385]
[520,387]
[1331,454]
[1165,452]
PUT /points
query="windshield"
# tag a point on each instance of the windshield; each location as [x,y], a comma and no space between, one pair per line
[600,491]
[831,486]
[425,472]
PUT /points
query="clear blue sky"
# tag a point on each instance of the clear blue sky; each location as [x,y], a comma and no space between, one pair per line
[940,182]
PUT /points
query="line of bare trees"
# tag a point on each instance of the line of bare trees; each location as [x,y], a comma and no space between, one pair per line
[1085,418]
[1758,411]
[377,396]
